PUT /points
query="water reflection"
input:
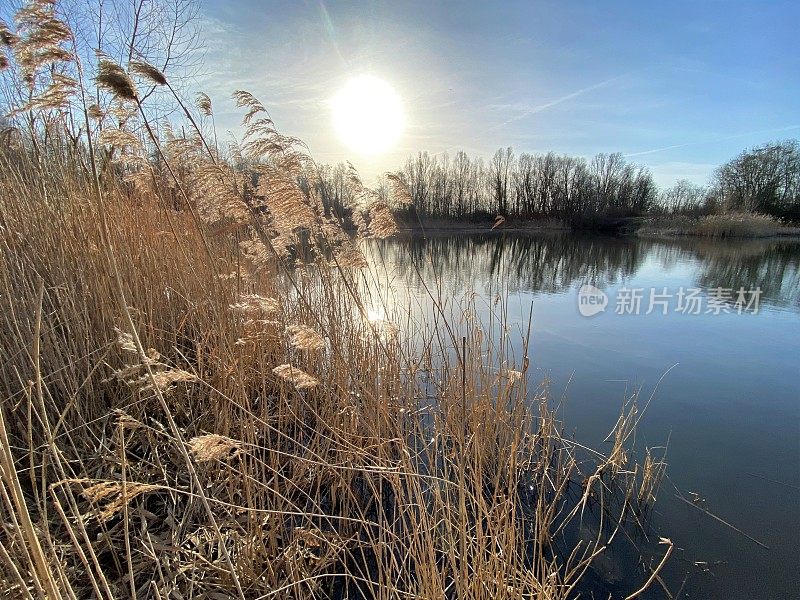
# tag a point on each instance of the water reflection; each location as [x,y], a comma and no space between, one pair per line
[554,263]
[728,408]
[773,267]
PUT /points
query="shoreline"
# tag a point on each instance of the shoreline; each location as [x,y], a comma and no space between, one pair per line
[633,227]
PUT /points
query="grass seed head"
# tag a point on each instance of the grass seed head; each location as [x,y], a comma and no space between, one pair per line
[114,79]
[147,71]
[203,103]
[209,447]
[305,338]
[298,377]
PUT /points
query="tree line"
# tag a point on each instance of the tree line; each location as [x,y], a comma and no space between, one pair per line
[764,179]
[527,186]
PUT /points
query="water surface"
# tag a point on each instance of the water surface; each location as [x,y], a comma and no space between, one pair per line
[725,383]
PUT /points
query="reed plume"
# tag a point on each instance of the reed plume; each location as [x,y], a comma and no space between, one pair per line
[196,402]
[299,378]
[114,79]
[203,103]
[211,447]
[302,337]
[148,72]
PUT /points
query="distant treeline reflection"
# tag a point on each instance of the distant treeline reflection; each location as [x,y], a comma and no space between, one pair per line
[554,263]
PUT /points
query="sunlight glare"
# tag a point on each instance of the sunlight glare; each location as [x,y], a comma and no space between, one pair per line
[375,314]
[368,115]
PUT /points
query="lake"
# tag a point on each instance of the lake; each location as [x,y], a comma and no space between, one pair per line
[709,329]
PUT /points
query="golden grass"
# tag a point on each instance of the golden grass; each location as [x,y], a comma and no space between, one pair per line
[730,225]
[189,410]
[738,225]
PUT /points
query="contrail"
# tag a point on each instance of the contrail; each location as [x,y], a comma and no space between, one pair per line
[713,139]
[557,101]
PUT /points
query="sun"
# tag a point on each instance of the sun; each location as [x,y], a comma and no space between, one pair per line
[368,115]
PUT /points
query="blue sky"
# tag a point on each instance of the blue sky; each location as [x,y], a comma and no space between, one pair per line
[678,86]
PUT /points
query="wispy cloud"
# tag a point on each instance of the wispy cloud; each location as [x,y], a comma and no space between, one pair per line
[711,140]
[670,101]
[528,110]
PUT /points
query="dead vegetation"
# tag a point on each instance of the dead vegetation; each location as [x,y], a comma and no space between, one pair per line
[189,409]
[725,225]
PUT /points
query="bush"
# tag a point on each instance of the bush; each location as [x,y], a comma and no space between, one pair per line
[738,225]
[735,225]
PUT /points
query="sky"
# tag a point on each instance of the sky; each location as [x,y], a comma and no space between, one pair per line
[679,87]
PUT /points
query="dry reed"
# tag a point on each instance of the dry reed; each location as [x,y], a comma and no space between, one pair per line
[384,469]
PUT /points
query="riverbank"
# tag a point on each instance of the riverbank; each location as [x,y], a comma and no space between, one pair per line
[478,225]
[734,225]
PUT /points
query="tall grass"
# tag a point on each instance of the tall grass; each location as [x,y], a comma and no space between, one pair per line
[739,225]
[724,225]
[195,402]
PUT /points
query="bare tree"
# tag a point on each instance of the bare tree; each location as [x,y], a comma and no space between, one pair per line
[684,197]
[763,179]
[500,178]
[533,186]
[163,33]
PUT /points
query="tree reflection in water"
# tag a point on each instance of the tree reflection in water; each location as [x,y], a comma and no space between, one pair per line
[553,263]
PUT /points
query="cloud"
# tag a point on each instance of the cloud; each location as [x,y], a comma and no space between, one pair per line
[714,139]
[527,110]
[662,149]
